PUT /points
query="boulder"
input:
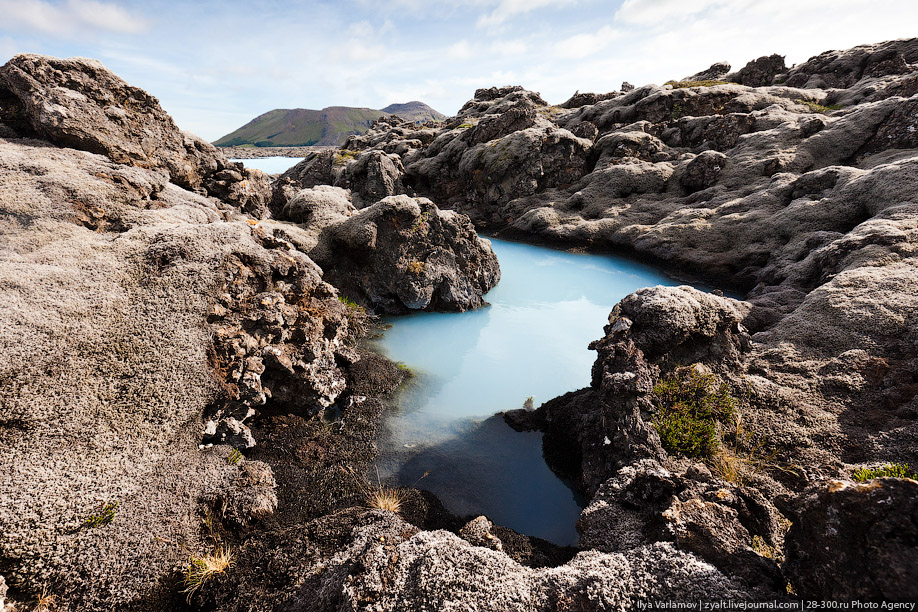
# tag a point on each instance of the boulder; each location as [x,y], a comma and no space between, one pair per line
[761,71]
[702,171]
[855,541]
[403,254]
[716,72]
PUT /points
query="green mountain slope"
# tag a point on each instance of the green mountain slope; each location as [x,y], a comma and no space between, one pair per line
[300,127]
[330,126]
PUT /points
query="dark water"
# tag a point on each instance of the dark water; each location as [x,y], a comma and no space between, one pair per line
[531,341]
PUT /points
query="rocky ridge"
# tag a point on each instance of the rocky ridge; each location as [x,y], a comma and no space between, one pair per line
[807,210]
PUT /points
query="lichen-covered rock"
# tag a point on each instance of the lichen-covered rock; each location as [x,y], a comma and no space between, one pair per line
[478,533]
[405,254]
[761,71]
[78,103]
[96,414]
[385,564]
[855,541]
[715,72]
[702,172]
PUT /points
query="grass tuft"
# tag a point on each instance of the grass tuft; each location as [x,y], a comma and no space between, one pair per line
[202,569]
[818,108]
[234,457]
[105,516]
[690,406]
[386,498]
[890,470]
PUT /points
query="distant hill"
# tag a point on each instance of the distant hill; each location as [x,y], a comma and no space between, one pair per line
[330,126]
[414,111]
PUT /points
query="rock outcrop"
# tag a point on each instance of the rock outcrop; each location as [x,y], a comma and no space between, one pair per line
[855,541]
[78,103]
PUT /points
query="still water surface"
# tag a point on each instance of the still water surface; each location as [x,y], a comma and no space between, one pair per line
[531,341]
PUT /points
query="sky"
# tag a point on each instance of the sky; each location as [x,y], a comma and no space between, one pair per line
[217,64]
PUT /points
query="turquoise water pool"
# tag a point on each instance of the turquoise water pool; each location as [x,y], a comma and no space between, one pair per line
[531,341]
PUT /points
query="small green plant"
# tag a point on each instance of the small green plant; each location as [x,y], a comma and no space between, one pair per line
[234,457]
[402,366]
[416,267]
[420,225]
[890,470]
[818,108]
[357,319]
[351,304]
[465,126]
[105,516]
[202,569]
[685,84]
[690,407]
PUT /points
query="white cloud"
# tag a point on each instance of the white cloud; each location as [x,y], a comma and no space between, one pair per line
[505,48]
[73,16]
[584,45]
[459,51]
[506,9]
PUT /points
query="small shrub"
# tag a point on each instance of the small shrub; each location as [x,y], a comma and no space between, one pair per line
[403,366]
[890,470]
[818,108]
[105,516]
[529,404]
[685,84]
[202,569]
[416,267]
[690,405]
[234,457]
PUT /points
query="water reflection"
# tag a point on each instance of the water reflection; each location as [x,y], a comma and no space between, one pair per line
[531,341]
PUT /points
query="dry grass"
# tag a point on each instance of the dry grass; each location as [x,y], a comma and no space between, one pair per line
[202,569]
[44,602]
[386,498]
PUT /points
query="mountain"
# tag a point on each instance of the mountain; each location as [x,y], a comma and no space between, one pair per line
[414,111]
[329,126]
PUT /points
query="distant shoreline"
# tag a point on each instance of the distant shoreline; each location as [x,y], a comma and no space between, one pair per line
[259,152]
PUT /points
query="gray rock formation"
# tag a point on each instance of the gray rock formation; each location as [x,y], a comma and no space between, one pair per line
[386,564]
[760,72]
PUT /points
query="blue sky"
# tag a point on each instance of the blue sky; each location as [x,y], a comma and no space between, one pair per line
[215,65]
